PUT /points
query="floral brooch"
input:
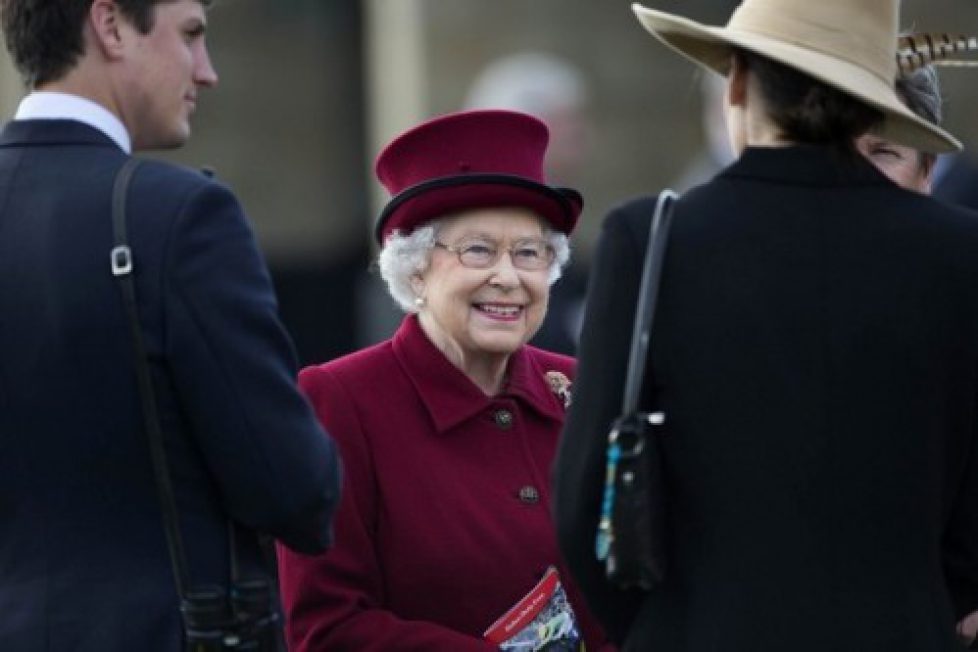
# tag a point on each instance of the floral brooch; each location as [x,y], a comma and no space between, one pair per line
[560,385]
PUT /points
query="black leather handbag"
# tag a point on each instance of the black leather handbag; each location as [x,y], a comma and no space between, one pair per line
[631,539]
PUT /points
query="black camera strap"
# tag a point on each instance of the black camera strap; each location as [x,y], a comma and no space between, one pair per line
[122,269]
[247,605]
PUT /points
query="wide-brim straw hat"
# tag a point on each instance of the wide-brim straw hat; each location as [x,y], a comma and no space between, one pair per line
[470,160]
[847,44]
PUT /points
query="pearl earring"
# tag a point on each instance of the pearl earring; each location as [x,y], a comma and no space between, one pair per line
[419,302]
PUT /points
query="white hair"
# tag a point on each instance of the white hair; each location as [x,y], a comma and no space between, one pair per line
[405,256]
[402,258]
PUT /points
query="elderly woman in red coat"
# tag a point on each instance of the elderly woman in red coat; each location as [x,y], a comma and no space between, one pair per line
[448,429]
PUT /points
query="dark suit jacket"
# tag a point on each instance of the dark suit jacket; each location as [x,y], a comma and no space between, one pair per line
[83,562]
[816,354]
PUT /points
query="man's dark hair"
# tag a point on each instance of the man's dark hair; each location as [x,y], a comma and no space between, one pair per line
[807,110]
[45,37]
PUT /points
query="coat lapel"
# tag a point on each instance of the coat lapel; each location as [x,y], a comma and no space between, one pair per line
[448,394]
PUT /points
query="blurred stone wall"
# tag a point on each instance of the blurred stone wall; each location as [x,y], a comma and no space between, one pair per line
[285,124]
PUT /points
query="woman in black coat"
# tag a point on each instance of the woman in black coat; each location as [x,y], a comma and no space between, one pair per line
[815,352]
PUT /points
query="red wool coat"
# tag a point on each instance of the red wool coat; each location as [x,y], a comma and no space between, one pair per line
[444,522]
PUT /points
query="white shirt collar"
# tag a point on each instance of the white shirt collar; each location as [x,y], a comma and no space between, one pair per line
[50,105]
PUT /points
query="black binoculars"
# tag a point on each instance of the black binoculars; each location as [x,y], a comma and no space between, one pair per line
[245,618]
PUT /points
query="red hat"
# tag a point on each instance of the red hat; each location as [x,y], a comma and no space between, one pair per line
[474,159]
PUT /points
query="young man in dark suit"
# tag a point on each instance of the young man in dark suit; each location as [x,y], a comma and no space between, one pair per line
[84,563]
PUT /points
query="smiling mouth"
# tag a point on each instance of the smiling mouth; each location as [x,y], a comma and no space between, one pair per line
[499,311]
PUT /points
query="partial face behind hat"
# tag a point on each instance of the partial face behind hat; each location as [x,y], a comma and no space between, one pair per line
[470,160]
[848,44]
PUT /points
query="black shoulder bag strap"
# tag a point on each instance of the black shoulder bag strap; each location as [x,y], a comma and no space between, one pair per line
[648,298]
[122,269]
[631,528]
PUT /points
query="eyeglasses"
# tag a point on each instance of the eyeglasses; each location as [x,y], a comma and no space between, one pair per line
[528,255]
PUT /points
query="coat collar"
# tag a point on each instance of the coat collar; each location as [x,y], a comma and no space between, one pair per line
[448,394]
[19,133]
[805,165]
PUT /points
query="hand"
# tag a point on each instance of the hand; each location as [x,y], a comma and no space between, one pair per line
[968,628]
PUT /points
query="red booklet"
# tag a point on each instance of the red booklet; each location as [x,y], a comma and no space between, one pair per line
[542,620]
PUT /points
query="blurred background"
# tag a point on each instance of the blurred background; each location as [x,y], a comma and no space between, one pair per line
[310,91]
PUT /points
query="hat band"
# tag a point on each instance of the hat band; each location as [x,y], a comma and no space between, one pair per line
[559,195]
[471,179]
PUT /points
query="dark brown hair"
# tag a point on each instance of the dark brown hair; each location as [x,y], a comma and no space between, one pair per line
[807,110]
[44,37]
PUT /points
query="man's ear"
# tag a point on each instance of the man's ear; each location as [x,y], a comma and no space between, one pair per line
[105,21]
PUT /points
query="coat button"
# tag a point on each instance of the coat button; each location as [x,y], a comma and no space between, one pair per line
[529,495]
[503,419]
